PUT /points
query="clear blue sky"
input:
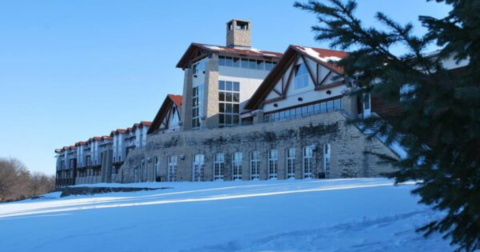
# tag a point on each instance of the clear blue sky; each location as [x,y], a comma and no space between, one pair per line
[71,70]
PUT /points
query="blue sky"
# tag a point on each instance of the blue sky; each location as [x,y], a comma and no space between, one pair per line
[71,70]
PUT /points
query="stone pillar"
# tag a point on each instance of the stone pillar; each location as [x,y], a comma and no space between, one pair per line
[349,104]
[187,99]
[258,117]
[210,99]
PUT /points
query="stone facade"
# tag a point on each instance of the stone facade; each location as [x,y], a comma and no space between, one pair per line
[347,145]
[239,33]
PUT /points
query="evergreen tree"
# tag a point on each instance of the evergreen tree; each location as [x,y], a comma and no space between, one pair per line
[437,111]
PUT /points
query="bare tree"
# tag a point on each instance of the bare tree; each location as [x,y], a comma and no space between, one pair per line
[17,183]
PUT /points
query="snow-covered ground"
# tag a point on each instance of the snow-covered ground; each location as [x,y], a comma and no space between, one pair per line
[285,215]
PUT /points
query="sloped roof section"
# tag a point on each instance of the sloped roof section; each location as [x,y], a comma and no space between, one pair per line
[324,57]
[224,50]
[163,111]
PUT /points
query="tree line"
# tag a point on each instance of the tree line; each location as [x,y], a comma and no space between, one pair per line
[17,182]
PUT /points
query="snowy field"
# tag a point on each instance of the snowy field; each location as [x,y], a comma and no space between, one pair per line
[294,215]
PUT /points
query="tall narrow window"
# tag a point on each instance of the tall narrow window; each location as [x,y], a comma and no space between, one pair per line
[326,160]
[307,161]
[199,67]
[290,163]
[171,167]
[301,76]
[237,165]
[255,165]
[218,166]
[272,164]
[197,106]
[229,103]
[156,169]
[197,167]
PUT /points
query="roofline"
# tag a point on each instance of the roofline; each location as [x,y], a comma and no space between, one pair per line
[161,113]
[274,74]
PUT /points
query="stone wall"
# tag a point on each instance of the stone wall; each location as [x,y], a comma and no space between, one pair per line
[347,149]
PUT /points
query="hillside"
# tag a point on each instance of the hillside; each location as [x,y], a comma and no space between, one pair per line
[293,215]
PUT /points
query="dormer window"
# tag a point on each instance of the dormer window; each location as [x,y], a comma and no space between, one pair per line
[301,76]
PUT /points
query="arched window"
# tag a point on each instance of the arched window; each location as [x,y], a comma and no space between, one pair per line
[326,159]
[301,76]
[290,162]
[255,165]
[272,163]
[218,166]
[171,167]
[237,165]
[307,161]
[197,167]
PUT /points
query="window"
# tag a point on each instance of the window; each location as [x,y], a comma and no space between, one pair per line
[326,160]
[307,110]
[290,163]
[272,164]
[197,167]
[174,117]
[255,165]
[229,103]
[142,170]
[198,67]
[218,166]
[171,167]
[197,106]
[301,76]
[307,161]
[156,168]
[268,65]
[237,165]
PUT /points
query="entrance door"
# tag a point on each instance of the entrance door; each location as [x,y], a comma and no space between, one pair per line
[197,167]
[172,168]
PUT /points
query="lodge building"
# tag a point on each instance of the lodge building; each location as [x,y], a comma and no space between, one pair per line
[244,114]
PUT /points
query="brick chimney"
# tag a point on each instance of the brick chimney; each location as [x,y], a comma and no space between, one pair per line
[238,34]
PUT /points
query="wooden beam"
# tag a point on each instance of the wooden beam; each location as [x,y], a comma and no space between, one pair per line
[309,70]
[284,91]
[324,79]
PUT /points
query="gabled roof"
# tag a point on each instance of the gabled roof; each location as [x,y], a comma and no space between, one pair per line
[164,109]
[318,55]
[116,132]
[80,143]
[224,50]
[141,125]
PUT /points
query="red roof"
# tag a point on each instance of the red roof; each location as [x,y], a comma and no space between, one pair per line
[177,99]
[322,56]
[163,111]
[106,138]
[80,143]
[224,50]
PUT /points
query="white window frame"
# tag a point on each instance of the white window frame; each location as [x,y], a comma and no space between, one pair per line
[237,158]
[290,162]
[255,165]
[327,150]
[272,164]
[218,166]
[307,161]
[171,168]
[197,167]
[301,78]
